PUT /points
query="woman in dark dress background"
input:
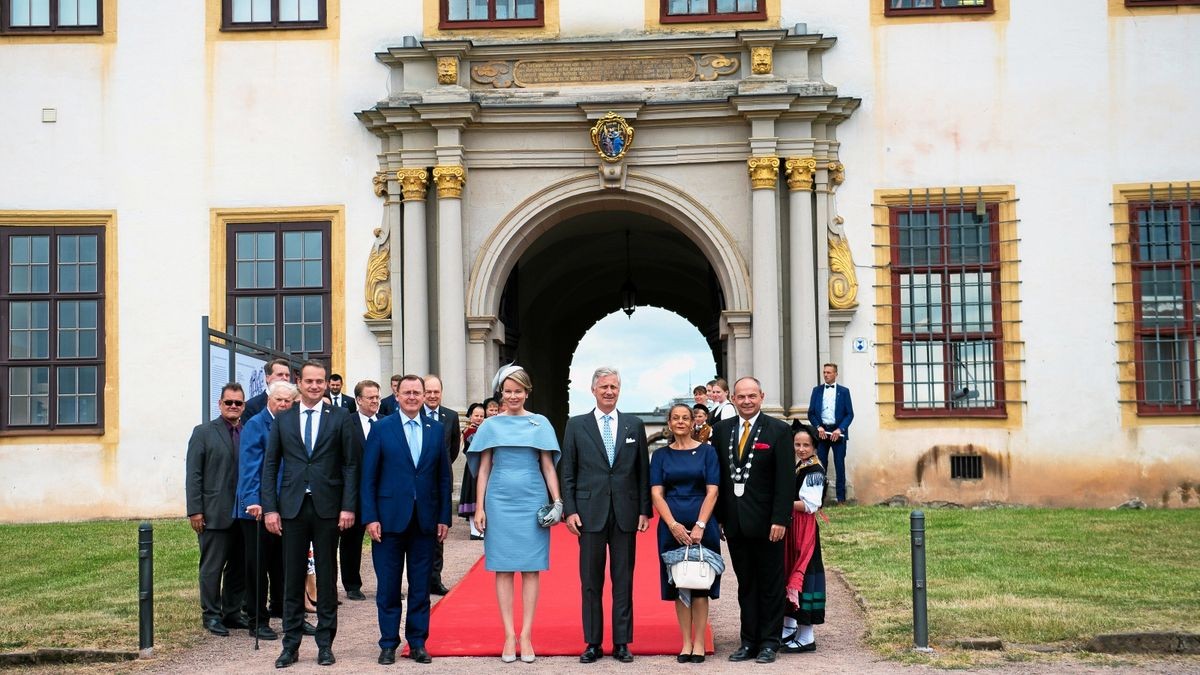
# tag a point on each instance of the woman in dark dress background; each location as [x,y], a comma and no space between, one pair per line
[684,477]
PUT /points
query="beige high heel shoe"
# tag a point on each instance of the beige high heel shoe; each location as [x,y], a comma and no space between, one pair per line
[528,657]
[507,657]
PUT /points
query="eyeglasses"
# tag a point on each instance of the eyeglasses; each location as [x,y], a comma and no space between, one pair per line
[233,404]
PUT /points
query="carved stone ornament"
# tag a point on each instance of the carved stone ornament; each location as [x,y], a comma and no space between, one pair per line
[843,281]
[379,183]
[378,285]
[764,172]
[760,60]
[412,184]
[542,72]
[837,174]
[612,136]
[447,69]
[800,173]
[449,180]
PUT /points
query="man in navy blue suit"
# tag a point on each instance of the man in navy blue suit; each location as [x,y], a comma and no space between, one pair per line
[830,412]
[406,506]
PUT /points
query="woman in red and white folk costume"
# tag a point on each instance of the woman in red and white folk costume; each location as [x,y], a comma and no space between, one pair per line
[802,550]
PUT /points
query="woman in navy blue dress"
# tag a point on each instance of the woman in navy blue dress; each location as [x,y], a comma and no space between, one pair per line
[684,477]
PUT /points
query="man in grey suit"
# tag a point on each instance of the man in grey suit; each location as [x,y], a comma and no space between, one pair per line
[211,488]
[605,478]
[434,410]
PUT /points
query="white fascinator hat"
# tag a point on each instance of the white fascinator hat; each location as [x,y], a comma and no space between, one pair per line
[503,374]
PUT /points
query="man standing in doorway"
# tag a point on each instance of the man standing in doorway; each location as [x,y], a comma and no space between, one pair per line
[755,507]
[605,479]
[830,412]
[435,411]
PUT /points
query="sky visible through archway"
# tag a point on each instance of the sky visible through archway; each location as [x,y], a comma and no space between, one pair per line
[659,354]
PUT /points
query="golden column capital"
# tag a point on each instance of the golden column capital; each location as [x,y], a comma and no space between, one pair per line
[764,172]
[800,172]
[837,174]
[379,183]
[449,180]
[760,60]
[412,184]
[447,69]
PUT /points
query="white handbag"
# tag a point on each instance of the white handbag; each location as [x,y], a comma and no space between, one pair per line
[694,574]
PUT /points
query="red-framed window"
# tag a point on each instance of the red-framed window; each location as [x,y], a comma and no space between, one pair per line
[272,14]
[911,7]
[1160,3]
[278,276]
[948,331]
[1165,253]
[52,329]
[696,11]
[19,17]
[455,14]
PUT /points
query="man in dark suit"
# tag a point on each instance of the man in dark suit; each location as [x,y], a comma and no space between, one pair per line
[434,410]
[388,405]
[211,488]
[279,369]
[336,397]
[406,503]
[754,508]
[830,412]
[366,394]
[605,478]
[312,457]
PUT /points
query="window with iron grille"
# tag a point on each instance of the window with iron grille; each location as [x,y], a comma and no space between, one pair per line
[681,11]
[272,14]
[52,328]
[911,7]
[278,281]
[51,16]
[946,318]
[966,467]
[490,13]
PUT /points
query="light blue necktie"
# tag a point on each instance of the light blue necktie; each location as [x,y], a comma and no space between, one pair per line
[308,439]
[610,444]
[412,432]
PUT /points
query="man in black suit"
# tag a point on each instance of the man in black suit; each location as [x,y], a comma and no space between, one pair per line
[605,477]
[336,397]
[312,456]
[435,411]
[754,507]
[366,394]
[388,405]
[279,369]
[211,487]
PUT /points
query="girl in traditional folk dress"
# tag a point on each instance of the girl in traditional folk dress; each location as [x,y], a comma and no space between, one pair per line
[802,550]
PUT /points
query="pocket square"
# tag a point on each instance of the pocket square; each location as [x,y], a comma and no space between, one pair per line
[761,446]
[630,440]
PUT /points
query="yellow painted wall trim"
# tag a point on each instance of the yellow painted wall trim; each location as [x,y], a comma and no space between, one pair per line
[331,31]
[654,24]
[109,18]
[112,426]
[878,18]
[550,27]
[1118,10]
[1005,197]
[1123,303]
[220,219]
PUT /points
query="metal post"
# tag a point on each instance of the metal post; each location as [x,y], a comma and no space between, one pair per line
[920,613]
[146,589]
[205,371]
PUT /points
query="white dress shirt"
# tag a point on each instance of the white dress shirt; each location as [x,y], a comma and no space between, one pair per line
[828,404]
[366,424]
[316,421]
[612,423]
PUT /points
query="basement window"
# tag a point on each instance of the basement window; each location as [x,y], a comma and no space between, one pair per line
[966,467]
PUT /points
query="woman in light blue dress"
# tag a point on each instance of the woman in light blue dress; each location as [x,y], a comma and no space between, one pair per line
[513,456]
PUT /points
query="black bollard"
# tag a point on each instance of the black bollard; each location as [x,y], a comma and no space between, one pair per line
[920,612]
[146,589]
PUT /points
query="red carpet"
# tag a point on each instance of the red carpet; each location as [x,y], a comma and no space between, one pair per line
[467,621]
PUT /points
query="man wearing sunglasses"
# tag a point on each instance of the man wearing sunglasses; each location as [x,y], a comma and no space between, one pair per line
[211,486]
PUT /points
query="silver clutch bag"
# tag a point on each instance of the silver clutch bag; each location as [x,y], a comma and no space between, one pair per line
[550,514]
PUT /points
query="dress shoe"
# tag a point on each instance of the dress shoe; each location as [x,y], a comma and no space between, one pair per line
[743,653]
[591,654]
[355,595]
[683,658]
[419,655]
[325,656]
[263,632]
[215,627]
[309,629]
[286,658]
[438,589]
[387,656]
[238,620]
[697,658]
[621,653]
[476,537]
[767,655]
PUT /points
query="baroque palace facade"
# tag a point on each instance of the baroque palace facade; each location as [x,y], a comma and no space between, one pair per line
[986,211]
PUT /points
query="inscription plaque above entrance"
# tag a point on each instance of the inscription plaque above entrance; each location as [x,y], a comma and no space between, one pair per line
[603,71]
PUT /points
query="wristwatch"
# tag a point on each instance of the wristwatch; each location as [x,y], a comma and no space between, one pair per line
[701,524]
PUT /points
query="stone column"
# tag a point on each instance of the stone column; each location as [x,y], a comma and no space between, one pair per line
[741,355]
[479,372]
[452,303]
[821,258]
[802,330]
[767,363]
[414,301]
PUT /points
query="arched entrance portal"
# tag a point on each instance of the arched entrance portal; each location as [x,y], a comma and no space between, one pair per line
[559,269]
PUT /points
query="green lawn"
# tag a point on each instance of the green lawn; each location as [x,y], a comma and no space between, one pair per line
[75,585]
[1027,576]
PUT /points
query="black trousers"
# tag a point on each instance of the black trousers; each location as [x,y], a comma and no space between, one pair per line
[222,573]
[616,547]
[264,564]
[435,570]
[758,563]
[297,533]
[350,547]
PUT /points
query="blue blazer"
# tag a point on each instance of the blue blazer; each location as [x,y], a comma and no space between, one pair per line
[255,432]
[843,409]
[392,487]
